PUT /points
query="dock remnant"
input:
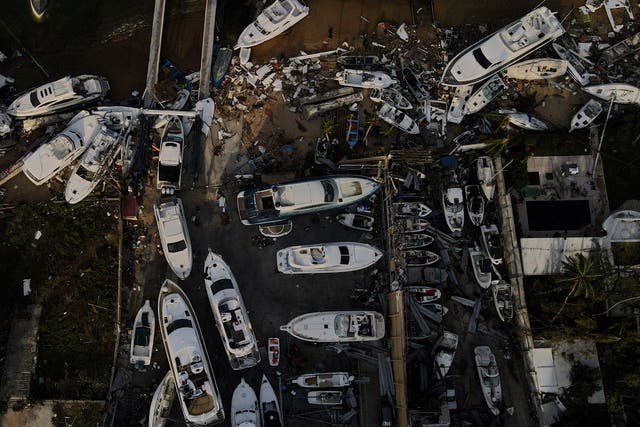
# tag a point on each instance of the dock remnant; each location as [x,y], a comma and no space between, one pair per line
[154,53]
[208,39]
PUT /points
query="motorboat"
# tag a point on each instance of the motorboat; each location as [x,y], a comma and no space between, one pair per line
[412,225]
[327,398]
[593,5]
[38,7]
[415,85]
[619,93]
[445,351]
[503,48]
[411,210]
[526,121]
[484,95]
[230,313]
[273,350]
[610,5]
[456,111]
[575,64]
[492,243]
[356,221]
[392,97]
[419,258]
[398,119]
[414,241]
[221,65]
[277,229]
[169,176]
[269,406]
[537,69]
[453,206]
[426,275]
[362,61]
[424,294]
[586,115]
[335,257]
[92,166]
[59,152]
[489,378]
[244,406]
[475,204]
[162,401]
[486,176]
[273,21]
[364,79]
[144,328]
[188,358]
[174,236]
[264,205]
[60,95]
[337,326]
[205,109]
[481,266]
[324,380]
[178,104]
[503,299]
[437,309]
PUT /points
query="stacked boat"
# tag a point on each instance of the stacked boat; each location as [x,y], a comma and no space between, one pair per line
[364,79]
[398,119]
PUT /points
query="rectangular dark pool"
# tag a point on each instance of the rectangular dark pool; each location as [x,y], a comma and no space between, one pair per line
[558,214]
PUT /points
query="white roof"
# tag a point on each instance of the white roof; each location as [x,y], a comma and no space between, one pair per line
[623,226]
[544,256]
[569,352]
[545,370]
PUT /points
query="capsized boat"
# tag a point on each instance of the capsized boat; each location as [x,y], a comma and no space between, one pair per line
[424,294]
[453,206]
[418,258]
[414,241]
[445,350]
[503,299]
[63,94]
[502,48]
[244,406]
[486,176]
[456,111]
[399,119]
[492,243]
[356,221]
[269,406]
[329,397]
[619,93]
[575,64]
[537,69]
[412,225]
[188,358]
[484,95]
[337,326]
[422,275]
[169,176]
[230,313]
[273,21]
[364,79]
[475,204]
[586,115]
[174,236]
[335,257]
[221,65]
[144,328]
[162,401]
[410,210]
[277,229]
[324,380]
[38,7]
[274,203]
[481,266]
[363,61]
[489,378]
[392,97]
[526,121]
[273,349]
[178,104]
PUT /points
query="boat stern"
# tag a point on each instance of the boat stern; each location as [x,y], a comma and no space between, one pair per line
[282,261]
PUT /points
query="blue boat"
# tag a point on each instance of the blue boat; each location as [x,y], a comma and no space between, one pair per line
[353,128]
[220,67]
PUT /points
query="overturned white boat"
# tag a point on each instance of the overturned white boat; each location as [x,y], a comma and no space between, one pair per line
[269,406]
[364,79]
[586,115]
[456,111]
[324,380]
[453,206]
[503,48]
[162,401]
[445,350]
[244,406]
[503,299]
[475,204]
[392,97]
[169,174]
[144,328]
[489,378]
[337,326]
[336,257]
[230,313]
[481,266]
[526,121]
[492,243]
[328,398]
[356,221]
[398,119]
[174,236]
[484,95]
[411,209]
[178,104]
[486,176]
[537,69]
[273,21]
[619,93]
[575,64]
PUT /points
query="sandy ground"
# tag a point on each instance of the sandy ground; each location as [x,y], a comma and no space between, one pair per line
[40,415]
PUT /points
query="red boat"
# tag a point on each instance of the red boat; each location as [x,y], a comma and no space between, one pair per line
[274,351]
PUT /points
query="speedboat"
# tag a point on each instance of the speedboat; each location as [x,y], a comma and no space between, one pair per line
[162,401]
[486,176]
[63,94]
[274,203]
[273,21]
[503,48]
[424,294]
[456,111]
[414,241]
[230,313]
[586,115]
[422,275]
[503,299]
[144,328]
[364,79]
[363,61]
[38,7]
[619,93]
[481,266]
[335,257]
[453,206]
[328,398]
[537,69]
[445,350]
[178,104]
[356,221]
[269,406]
[244,406]
[92,166]
[475,204]
[324,380]
[273,349]
[489,378]
[399,119]
[410,210]
[169,176]
[392,97]
[337,326]
[188,358]
[419,258]
[174,236]
[526,121]
[277,229]
[484,95]
[412,225]
[575,64]
[50,158]
[492,243]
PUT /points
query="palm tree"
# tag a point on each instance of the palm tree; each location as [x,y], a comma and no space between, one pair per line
[578,273]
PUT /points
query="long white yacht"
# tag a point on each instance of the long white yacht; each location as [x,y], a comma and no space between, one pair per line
[398,119]
[60,95]
[537,69]
[174,236]
[337,326]
[162,401]
[619,93]
[364,79]
[489,378]
[335,257]
[169,176]
[274,203]
[453,206]
[273,21]
[502,48]
[269,406]
[188,358]
[144,328]
[586,115]
[244,406]
[324,380]
[50,158]
[228,308]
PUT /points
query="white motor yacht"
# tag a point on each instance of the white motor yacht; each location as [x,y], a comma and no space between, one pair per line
[364,79]
[324,380]
[269,405]
[398,119]
[328,398]
[453,206]
[489,378]
[174,236]
[586,115]
[537,69]
[337,326]
[169,175]
[142,335]
[244,406]
[335,257]
[162,401]
[526,121]
[456,111]
[619,93]
[503,299]
[486,176]
[273,21]
[484,95]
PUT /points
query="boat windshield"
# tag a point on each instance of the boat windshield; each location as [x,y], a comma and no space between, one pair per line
[344,255]
[341,325]
[329,191]
[33,97]
[177,246]
[482,60]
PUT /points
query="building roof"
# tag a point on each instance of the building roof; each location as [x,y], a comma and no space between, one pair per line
[544,256]
[545,370]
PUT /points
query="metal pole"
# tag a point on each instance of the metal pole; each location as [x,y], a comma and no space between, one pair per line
[593,172]
[279,374]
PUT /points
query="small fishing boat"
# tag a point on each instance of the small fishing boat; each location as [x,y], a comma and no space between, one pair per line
[537,69]
[356,221]
[412,225]
[174,236]
[489,378]
[475,204]
[526,121]
[169,175]
[327,398]
[269,406]
[484,95]
[486,176]
[244,406]
[453,206]
[324,380]
[437,309]
[492,243]
[503,299]
[586,115]
[445,350]
[364,79]
[162,401]
[337,326]
[411,210]
[414,241]
[363,61]
[178,104]
[424,294]
[399,119]
[481,266]
[273,21]
[425,275]
[38,7]
[392,97]
[415,85]
[619,93]
[456,111]
[221,65]
[575,64]
[335,257]
[419,258]
[144,328]
[610,5]
[277,229]
[273,349]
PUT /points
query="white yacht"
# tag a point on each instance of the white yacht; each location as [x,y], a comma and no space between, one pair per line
[411,210]
[486,176]
[188,358]
[162,401]
[526,121]
[274,203]
[537,69]
[174,236]
[492,243]
[335,257]
[489,378]
[392,97]
[503,299]
[619,93]
[144,328]
[502,48]
[269,406]
[337,326]
[230,313]
[50,158]
[325,398]
[575,64]
[398,119]
[586,115]
[273,21]
[63,94]
[481,266]
[244,406]
[453,206]
[356,221]
[456,111]
[324,380]
[475,204]
[445,350]
[169,176]
[178,104]
[364,79]
[484,95]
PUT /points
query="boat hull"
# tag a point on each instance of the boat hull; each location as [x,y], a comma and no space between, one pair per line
[358,256]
